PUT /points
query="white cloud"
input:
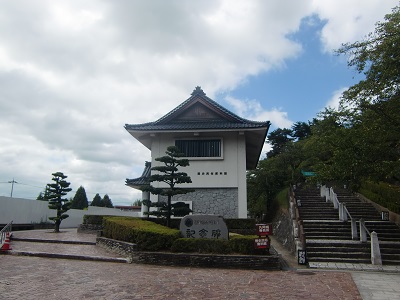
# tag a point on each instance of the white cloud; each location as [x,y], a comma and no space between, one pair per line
[334,101]
[72,73]
[253,110]
[349,21]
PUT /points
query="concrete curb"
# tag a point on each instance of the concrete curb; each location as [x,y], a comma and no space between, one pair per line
[67,256]
[53,241]
[336,266]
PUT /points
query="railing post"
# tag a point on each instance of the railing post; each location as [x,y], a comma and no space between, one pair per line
[363,232]
[376,258]
[344,213]
[341,218]
[335,200]
[354,234]
[323,191]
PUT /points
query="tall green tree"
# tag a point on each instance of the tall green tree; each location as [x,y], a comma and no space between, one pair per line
[279,138]
[378,57]
[96,201]
[56,192]
[106,202]
[80,200]
[168,173]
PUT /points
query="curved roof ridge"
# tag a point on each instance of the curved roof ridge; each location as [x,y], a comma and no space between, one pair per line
[199,93]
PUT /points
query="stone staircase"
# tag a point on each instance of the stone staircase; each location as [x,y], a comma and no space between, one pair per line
[329,240]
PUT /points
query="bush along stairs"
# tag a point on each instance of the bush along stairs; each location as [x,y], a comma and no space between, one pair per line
[329,235]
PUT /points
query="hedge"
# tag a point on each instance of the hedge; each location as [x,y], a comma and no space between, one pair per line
[94,219]
[147,235]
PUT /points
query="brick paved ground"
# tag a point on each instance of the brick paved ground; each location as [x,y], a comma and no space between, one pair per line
[44,278]
[24,277]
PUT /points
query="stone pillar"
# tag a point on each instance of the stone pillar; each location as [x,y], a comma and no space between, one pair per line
[363,232]
[375,250]
[144,208]
[354,233]
[341,218]
[344,213]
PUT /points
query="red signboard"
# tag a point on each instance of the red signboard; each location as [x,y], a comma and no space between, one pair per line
[263,229]
[261,243]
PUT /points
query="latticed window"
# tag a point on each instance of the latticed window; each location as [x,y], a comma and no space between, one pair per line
[200,148]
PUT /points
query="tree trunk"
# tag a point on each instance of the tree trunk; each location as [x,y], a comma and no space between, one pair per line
[169,211]
[57,227]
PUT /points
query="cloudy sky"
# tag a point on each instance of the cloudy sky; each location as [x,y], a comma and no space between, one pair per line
[72,73]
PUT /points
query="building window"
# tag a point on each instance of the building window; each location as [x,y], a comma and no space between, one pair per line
[200,148]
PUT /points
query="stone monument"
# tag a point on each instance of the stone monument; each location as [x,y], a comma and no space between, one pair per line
[204,226]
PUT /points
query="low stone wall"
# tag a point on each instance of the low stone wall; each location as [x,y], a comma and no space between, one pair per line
[122,248]
[253,262]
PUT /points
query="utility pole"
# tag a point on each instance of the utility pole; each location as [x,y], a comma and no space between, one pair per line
[12,186]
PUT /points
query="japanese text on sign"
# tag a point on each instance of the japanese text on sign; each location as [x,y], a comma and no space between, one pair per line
[263,229]
[261,243]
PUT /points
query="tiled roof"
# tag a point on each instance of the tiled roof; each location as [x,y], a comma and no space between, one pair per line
[142,180]
[195,125]
[229,120]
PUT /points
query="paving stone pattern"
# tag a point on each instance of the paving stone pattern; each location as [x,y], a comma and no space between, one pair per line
[27,277]
[43,278]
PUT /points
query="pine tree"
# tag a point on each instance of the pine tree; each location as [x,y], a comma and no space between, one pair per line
[80,200]
[56,191]
[96,201]
[168,173]
[43,196]
[106,202]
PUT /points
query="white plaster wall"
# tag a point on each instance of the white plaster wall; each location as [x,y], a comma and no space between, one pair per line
[227,172]
[25,211]
[234,157]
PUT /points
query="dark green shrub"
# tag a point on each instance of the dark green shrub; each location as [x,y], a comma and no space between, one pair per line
[147,235]
[93,219]
[383,194]
[174,223]
[243,244]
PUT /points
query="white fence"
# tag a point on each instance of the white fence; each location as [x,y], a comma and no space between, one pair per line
[24,211]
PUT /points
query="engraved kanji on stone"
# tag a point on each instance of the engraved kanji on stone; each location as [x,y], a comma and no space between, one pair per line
[216,233]
[203,233]
[190,233]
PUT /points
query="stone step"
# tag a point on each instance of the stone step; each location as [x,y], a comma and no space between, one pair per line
[329,237]
[338,260]
[329,240]
[346,254]
[391,262]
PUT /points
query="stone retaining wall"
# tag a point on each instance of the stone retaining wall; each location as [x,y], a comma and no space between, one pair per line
[283,230]
[122,248]
[219,201]
[253,262]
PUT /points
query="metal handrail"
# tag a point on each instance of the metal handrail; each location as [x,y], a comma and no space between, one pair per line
[3,233]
